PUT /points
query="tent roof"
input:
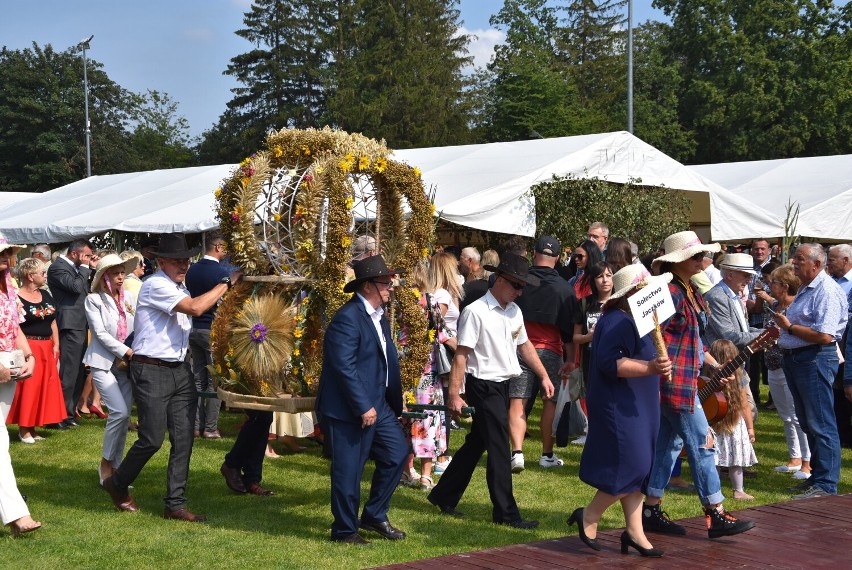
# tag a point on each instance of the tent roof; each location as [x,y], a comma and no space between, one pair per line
[485,186]
[820,185]
[156,201]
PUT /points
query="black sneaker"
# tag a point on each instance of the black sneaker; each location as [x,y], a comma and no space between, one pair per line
[655,519]
[721,523]
[801,487]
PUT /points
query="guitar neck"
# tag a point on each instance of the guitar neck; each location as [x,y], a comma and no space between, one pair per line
[715,383]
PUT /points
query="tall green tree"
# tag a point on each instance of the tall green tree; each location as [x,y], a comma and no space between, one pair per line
[42,126]
[160,136]
[529,95]
[397,72]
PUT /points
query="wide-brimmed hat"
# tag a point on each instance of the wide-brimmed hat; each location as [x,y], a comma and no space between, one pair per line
[681,246]
[515,267]
[368,269]
[173,246]
[4,244]
[738,262]
[548,245]
[634,275]
[109,261]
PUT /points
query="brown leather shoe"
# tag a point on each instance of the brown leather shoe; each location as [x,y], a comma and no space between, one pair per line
[233,479]
[122,500]
[354,538]
[256,489]
[183,515]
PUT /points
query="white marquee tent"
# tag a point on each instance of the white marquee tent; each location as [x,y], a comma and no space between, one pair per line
[820,185]
[480,186]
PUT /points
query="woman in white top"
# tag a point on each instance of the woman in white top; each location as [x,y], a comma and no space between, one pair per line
[447,291]
[110,310]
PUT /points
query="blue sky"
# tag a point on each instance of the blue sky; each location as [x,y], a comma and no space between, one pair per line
[181,47]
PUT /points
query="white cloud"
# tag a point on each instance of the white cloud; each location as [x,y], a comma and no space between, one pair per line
[482,44]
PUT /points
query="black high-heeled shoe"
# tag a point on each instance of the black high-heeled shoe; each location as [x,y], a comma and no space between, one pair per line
[626,541]
[577,517]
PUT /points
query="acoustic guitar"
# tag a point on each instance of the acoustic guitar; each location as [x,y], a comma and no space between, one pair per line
[709,389]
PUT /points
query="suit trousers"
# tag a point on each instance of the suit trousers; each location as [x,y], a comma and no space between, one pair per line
[207,417]
[12,505]
[351,446]
[250,446]
[489,433]
[72,347]
[117,394]
[165,398]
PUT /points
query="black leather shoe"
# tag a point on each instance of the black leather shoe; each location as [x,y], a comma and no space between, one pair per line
[256,489]
[577,518]
[353,538]
[60,426]
[445,509]
[70,422]
[383,528]
[233,479]
[519,523]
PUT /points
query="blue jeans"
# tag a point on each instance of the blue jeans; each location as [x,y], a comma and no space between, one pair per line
[693,429]
[810,374]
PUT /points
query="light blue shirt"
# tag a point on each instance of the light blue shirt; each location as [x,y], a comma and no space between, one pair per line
[845,282]
[820,305]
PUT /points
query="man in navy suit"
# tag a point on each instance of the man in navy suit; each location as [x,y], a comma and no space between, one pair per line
[358,405]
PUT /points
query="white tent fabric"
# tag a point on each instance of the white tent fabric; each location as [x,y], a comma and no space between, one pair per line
[157,201]
[486,186]
[821,186]
[9,198]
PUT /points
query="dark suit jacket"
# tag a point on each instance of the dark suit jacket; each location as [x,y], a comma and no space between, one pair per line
[353,370]
[69,289]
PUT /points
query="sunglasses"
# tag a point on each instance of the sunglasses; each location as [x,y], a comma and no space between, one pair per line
[515,286]
[579,256]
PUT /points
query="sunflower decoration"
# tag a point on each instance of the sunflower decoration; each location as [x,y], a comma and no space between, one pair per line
[293,210]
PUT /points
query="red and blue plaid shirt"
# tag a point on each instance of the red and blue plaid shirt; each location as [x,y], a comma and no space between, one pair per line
[682,339]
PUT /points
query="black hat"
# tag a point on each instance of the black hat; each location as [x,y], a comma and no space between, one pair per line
[548,245]
[515,267]
[368,269]
[150,241]
[173,246]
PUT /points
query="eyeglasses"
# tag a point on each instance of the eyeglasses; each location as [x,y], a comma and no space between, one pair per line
[697,256]
[387,284]
[776,282]
[596,237]
[515,286]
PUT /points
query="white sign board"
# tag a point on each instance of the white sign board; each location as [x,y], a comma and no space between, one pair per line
[645,301]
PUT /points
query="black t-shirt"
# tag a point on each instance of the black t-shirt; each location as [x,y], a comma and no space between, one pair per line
[38,315]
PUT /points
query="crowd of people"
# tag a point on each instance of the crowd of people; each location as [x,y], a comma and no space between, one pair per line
[107,330]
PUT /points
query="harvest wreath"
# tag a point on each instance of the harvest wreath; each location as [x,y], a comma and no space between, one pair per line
[290,214]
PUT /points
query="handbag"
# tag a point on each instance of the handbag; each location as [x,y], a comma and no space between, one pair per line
[14,361]
[443,353]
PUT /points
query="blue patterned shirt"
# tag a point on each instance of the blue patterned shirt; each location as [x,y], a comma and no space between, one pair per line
[820,305]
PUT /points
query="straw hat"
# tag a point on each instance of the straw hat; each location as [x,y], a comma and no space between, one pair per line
[4,245]
[109,261]
[681,246]
[631,276]
[738,262]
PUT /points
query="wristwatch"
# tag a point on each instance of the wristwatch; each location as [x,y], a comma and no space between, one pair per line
[226,280]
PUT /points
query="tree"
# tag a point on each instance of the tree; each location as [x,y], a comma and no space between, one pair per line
[160,137]
[397,72]
[529,96]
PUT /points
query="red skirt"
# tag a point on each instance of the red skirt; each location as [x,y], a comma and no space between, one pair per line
[38,399]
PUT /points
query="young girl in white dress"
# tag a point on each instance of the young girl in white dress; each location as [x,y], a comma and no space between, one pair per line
[734,432]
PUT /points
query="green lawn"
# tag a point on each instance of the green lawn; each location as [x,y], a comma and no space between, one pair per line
[290,530]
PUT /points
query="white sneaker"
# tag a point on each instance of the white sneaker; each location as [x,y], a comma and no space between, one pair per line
[517,463]
[801,475]
[551,461]
[580,440]
[440,466]
[788,468]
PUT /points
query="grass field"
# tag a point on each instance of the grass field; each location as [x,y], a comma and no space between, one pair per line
[290,529]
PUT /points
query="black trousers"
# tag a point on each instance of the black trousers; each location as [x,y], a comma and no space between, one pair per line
[250,446]
[72,347]
[756,368]
[165,398]
[489,433]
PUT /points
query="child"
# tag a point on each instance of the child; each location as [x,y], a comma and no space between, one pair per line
[734,432]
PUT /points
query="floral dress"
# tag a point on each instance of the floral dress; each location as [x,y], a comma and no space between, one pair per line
[428,436]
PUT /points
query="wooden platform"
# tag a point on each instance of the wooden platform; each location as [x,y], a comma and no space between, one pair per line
[811,533]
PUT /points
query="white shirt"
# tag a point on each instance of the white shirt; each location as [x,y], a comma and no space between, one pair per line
[443,297]
[211,258]
[71,263]
[493,333]
[376,316]
[159,330]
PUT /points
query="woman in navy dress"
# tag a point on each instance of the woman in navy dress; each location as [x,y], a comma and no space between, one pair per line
[623,398]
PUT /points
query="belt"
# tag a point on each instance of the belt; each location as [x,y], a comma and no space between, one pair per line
[34,337]
[155,361]
[789,351]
